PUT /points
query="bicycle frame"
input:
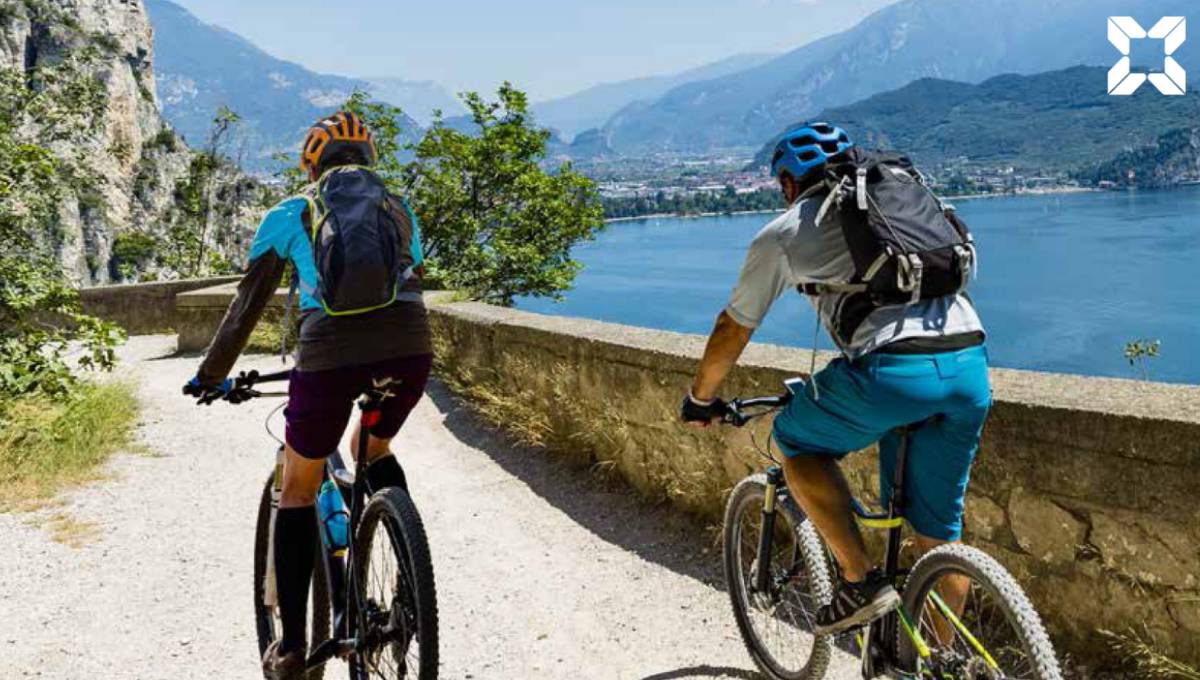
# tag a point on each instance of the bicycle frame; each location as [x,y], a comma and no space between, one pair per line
[345,596]
[341,565]
[878,639]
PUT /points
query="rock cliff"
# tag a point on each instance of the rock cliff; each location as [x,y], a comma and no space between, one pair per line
[135,161]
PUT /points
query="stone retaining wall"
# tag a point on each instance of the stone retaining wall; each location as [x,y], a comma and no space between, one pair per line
[200,312]
[1084,487]
[142,308]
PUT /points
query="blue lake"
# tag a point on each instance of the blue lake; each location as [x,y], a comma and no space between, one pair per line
[1064,280]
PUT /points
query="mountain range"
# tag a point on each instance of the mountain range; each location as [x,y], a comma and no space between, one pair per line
[963,40]
[734,103]
[1059,120]
[200,67]
[419,99]
[593,106]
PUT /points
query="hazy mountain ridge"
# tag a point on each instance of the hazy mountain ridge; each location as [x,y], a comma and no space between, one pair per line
[593,106]
[201,67]
[1055,121]
[965,40]
[418,98]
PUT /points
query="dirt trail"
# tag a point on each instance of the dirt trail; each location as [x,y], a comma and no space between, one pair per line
[540,573]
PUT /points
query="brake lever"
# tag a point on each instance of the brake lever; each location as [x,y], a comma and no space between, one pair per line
[245,379]
[734,417]
[239,395]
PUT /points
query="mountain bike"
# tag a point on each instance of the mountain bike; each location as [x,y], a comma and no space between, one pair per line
[372,601]
[779,572]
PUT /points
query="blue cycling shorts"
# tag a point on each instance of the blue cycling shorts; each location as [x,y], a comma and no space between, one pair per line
[859,403]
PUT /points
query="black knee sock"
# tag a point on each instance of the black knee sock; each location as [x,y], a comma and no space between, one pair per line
[385,472]
[295,551]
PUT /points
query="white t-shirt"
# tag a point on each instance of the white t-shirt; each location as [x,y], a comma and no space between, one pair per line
[793,250]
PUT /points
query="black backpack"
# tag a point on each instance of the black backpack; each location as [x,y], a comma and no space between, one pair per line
[906,244]
[361,240]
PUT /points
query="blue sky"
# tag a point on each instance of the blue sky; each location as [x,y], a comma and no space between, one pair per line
[547,47]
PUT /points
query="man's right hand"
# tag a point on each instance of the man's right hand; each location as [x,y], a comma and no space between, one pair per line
[699,413]
[207,394]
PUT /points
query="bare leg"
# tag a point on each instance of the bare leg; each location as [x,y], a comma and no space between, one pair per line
[953,589]
[383,470]
[301,480]
[824,495]
[376,447]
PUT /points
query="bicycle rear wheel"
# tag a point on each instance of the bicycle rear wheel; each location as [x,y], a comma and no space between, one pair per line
[777,625]
[395,579]
[266,615]
[993,633]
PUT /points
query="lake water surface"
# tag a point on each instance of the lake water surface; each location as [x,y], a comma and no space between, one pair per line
[1064,280]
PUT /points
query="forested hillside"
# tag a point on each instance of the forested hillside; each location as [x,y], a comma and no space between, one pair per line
[201,68]
[963,40]
[1056,121]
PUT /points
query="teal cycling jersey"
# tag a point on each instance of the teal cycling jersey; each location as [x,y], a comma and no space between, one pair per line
[282,233]
[325,342]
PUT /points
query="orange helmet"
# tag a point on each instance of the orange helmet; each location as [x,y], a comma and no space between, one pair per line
[342,129]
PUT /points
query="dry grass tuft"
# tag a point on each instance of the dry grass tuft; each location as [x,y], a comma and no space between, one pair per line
[1145,661]
[69,531]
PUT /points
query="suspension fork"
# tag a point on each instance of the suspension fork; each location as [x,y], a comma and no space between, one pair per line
[762,570]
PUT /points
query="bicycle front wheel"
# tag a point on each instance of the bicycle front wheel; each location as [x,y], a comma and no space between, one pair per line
[974,619]
[776,625]
[266,608]
[395,580]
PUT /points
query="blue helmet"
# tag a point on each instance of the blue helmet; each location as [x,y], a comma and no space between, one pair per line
[806,147]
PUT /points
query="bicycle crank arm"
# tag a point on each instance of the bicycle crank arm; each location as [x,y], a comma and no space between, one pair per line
[329,649]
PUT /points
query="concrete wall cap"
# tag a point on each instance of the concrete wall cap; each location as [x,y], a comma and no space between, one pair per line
[1114,396]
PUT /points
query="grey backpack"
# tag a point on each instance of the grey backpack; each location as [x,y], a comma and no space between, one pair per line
[361,240]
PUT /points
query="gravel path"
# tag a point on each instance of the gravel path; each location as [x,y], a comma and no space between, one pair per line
[541,573]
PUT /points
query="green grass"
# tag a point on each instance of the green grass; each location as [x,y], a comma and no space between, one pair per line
[264,339]
[46,446]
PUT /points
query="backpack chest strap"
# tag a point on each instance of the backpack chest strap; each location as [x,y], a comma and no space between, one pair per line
[816,289]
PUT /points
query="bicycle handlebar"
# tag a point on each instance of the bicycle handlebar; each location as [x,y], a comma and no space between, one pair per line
[243,385]
[733,409]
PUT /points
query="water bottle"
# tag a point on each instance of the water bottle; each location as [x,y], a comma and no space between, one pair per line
[335,518]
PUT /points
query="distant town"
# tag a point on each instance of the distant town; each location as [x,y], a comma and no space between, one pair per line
[728,183]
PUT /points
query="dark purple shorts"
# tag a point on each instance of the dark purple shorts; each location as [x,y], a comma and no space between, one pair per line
[320,402]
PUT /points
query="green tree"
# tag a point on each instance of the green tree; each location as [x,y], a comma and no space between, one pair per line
[205,213]
[494,223]
[44,110]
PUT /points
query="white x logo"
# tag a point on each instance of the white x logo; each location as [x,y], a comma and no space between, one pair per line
[1172,31]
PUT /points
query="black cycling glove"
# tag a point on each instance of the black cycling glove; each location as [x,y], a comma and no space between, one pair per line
[695,411]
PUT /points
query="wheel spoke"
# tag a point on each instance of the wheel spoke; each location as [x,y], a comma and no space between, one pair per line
[780,620]
[390,598]
[988,624]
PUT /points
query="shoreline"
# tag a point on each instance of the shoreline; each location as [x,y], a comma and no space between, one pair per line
[957,197]
[691,216]
[1027,192]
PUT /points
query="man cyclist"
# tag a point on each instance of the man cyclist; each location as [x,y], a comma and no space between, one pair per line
[337,357]
[900,364]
